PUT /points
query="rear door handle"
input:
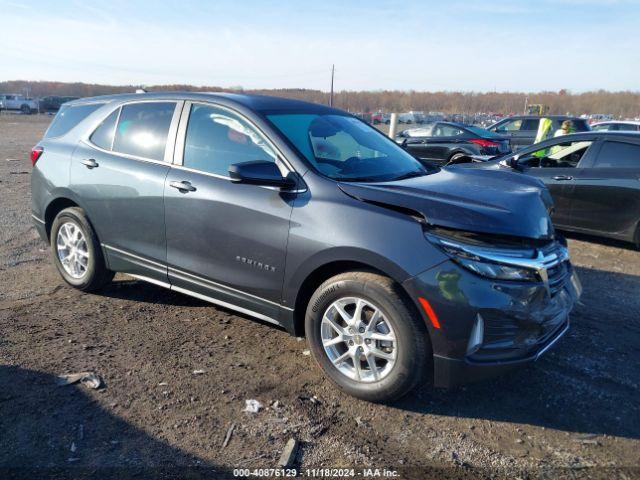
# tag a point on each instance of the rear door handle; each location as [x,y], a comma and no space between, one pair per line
[563,177]
[89,163]
[183,186]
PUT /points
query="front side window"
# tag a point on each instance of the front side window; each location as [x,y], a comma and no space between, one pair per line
[562,155]
[217,138]
[509,126]
[143,129]
[343,148]
[103,135]
[618,155]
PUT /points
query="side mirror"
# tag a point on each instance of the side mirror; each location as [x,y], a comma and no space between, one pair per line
[512,163]
[259,172]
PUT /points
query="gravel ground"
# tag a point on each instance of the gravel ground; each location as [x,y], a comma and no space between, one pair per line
[575,413]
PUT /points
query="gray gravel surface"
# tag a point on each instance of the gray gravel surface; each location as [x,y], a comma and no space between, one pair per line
[575,413]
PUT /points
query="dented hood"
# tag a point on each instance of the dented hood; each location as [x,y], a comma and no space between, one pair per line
[493,202]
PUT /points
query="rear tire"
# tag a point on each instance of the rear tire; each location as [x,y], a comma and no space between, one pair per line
[408,354]
[25,109]
[76,251]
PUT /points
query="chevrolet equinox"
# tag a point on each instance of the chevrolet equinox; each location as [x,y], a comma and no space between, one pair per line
[305,217]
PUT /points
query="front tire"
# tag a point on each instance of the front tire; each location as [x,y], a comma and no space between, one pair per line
[76,251]
[367,337]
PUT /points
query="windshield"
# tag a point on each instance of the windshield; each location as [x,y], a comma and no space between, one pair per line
[344,148]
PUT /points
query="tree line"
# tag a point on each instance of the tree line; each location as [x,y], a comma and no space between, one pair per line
[625,104]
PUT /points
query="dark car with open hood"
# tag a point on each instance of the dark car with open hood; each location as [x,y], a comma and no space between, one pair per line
[305,217]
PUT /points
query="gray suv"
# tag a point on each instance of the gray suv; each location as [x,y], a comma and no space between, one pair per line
[522,129]
[306,217]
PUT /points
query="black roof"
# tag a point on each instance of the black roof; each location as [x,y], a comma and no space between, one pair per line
[261,103]
[591,135]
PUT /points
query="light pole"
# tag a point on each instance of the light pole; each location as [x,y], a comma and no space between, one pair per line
[331,92]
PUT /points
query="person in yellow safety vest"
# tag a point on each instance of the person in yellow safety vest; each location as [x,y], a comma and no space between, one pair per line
[544,130]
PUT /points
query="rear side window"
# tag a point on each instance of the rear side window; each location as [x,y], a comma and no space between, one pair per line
[103,135]
[618,155]
[68,117]
[143,129]
[444,130]
[628,127]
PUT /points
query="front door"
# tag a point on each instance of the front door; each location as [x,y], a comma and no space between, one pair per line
[607,193]
[225,241]
[557,166]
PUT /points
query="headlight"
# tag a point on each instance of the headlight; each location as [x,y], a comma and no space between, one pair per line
[497,263]
[496,270]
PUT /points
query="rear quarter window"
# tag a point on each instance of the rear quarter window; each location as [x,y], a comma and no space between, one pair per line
[68,117]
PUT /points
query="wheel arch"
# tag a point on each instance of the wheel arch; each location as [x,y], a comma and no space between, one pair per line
[53,208]
[320,272]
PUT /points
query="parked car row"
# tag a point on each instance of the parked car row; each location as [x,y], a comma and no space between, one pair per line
[26,105]
[18,103]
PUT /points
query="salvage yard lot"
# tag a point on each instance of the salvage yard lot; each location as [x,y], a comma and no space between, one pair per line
[577,408]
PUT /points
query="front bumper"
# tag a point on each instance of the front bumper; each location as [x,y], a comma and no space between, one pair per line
[521,321]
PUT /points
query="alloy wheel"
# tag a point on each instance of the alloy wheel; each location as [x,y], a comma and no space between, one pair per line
[73,251]
[358,339]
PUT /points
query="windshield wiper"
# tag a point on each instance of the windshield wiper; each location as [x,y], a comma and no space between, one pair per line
[410,175]
[359,179]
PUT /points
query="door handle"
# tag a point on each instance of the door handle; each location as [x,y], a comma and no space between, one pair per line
[89,163]
[563,177]
[183,186]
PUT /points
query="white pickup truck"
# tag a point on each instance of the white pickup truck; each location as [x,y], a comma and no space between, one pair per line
[18,102]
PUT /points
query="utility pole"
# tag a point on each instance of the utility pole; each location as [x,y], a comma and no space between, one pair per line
[331,93]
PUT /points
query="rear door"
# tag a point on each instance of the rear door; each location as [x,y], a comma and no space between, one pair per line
[119,172]
[606,196]
[225,241]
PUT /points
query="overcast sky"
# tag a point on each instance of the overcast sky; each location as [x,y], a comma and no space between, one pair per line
[479,45]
